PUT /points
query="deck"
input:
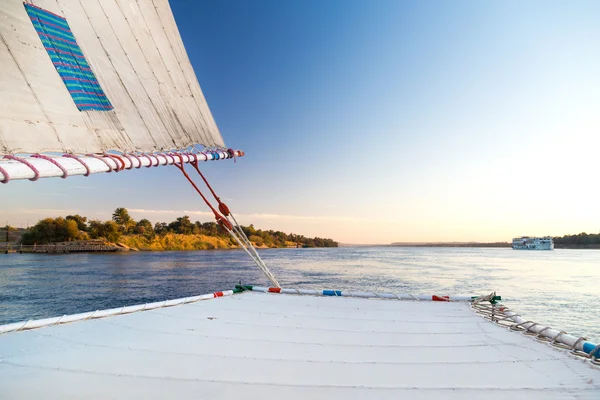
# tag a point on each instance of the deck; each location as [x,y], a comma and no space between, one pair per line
[259,345]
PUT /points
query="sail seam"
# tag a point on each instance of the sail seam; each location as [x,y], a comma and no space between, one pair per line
[120,82]
[204,133]
[49,121]
[209,140]
[163,105]
[158,114]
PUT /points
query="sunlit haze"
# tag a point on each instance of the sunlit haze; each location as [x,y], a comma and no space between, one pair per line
[378,122]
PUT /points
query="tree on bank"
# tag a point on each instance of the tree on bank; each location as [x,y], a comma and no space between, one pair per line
[77,227]
[51,230]
[144,227]
[6,234]
[582,239]
[122,218]
[108,230]
[79,220]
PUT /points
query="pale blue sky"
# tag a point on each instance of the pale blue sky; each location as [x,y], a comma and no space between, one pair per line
[380,121]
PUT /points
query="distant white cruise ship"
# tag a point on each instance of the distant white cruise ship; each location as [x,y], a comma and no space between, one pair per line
[533,243]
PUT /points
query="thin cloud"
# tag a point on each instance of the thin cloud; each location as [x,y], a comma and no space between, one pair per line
[52,194]
[45,211]
[261,216]
[308,218]
[178,212]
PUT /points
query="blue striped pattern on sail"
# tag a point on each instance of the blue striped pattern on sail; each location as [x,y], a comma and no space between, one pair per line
[67,57]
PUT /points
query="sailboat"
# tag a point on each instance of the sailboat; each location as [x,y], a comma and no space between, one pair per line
[105,86]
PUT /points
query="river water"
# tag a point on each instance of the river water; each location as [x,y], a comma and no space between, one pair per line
[560,288]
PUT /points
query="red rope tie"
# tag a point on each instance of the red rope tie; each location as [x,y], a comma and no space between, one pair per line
[128,159]
[231,153]
[191,157]
[24,161]
[97,157]
[224,223]
[53,161]
[157,160]
[222,206]
[116,158]
[74,157]
[172,158]
[166,157]
[137,158]
[120,158]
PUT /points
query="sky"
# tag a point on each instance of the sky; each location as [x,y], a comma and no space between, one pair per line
[378,121]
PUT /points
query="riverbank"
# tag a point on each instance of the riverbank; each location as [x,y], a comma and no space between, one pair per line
[181,234]
[166,242]
[577,246]
[453,244]
[176,241]
[78,246]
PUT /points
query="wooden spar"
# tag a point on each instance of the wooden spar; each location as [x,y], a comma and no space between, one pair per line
[17,170]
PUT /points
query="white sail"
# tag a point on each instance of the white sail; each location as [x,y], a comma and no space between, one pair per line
[133,49]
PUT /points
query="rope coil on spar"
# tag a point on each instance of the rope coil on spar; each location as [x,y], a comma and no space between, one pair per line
[128,159]
[116,158]
[137,158]
[502,316]
[74,157]
[23,161]
[37,166]
[5,175]
[53,161]
[149,160]
[97,157]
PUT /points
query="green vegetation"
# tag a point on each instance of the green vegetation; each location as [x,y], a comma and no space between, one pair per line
[581,240]
[53,230]
[181,234]
[9,233]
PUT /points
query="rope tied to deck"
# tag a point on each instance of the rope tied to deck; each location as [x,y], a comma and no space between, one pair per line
[501,315]
[487,298]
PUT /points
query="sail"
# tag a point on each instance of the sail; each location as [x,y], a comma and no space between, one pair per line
[95,76]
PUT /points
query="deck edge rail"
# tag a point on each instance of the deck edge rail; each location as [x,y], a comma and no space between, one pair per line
[45,322]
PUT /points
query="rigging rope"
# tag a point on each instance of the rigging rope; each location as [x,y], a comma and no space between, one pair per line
[227,213]
[235,231]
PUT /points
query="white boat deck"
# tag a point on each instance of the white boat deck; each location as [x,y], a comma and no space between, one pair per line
[259,345]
